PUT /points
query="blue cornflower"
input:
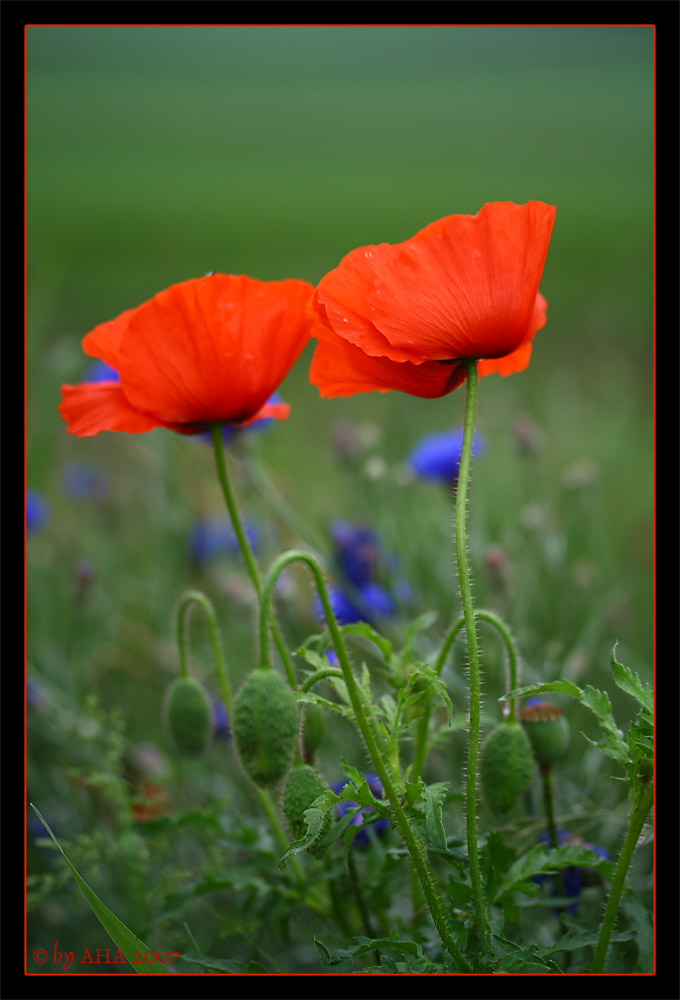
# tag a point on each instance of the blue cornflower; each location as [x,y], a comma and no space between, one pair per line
[437,456]
[82,481]
[222,729]
[356,551]
[99,371]
[37,511]
[212,536]
[571,877]
[371,600]
[361,839]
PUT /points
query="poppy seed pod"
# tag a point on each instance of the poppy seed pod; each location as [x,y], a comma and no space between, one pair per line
[265,725]
[547,729]
[506,766]
[188,717]
[303,785]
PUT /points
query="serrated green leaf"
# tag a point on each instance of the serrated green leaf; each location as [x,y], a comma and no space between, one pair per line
[433,796]
[342,959]
[124,939]
[558,687]
[512,957]
[426,671]
[629,682]
[540,860]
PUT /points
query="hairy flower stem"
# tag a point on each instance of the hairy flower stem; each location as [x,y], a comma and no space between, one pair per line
[509,642]
[638,814]
[473,651]
[186,601]
[546,779]
[375,745]
[244,546]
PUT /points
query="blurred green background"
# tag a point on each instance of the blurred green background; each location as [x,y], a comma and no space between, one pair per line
[156,154]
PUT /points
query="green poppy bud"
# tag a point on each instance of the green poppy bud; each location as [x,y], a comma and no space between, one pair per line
[547,729]
[266,721]
[303,785]
[506,766]
[188,717]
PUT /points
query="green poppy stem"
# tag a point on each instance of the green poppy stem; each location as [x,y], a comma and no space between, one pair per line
[375,744]
[473,650]
[639,811]
[246,550]
[186,602]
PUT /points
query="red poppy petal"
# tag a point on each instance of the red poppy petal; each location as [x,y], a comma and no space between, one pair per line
[518,360]
[103,342]
[101,406]
[214,349]
[465,286]
[270,411]
[341,369]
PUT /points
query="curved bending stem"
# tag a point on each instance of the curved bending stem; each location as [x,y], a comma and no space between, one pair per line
[186,601]
[367,724]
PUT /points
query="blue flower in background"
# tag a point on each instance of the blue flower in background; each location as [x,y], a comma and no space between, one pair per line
[437,456]
[37,511]
[214,536]
[573,877]
[220,719]
[370,601]
[356,551]
[82,482]
[361,839]
[99,371]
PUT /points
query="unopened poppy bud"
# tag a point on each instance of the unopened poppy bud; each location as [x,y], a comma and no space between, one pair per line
[547,729]
[303,785]
[313,730]
[188,717]
[265,725]
[506,766]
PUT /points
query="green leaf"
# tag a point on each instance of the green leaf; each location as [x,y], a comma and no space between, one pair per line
[426,671]
[578,938]
[629,682]
[127,943]
[433,796]
[540,860]
[511,957]
[342,959]
[598,703]
[367,632]
[224,965]
[558,687]
[640,923]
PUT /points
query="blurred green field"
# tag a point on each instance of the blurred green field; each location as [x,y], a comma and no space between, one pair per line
[156,154]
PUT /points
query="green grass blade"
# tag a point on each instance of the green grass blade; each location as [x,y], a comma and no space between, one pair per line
[123,938]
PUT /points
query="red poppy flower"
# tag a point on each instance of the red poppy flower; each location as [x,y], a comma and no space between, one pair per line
[401,316]
[207,351]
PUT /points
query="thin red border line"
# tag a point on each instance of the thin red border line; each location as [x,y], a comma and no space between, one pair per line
[653,27]
[248,25]
[654,906]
